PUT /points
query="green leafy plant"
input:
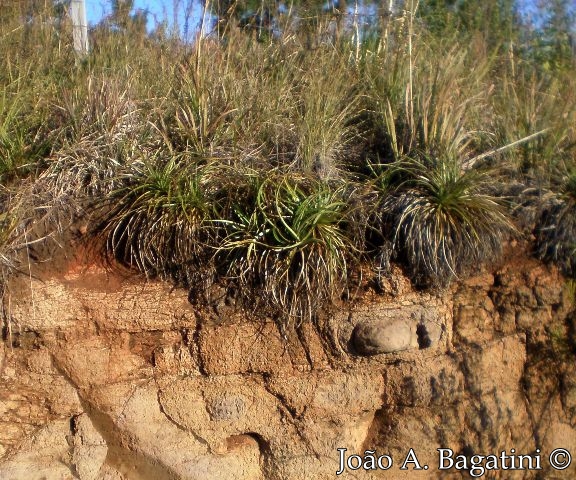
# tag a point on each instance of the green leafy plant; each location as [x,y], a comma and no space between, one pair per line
[290,243]
[323,117]
[570,186]
[102,134]
[273,163]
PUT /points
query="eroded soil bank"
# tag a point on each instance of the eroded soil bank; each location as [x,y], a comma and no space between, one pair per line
[108,376]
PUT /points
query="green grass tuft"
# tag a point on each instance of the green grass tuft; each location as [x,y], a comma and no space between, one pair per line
[159,220]
[570,186]
[444,221]
[288,240]
[556,231]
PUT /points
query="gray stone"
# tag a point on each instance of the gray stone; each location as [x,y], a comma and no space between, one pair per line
[384,335]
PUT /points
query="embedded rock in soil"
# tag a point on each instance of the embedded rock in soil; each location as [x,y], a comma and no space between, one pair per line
[382,335]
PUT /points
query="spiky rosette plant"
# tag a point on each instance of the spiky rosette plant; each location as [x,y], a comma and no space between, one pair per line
[570,186]
[159,222]
[556,235]
[290,243]
[443,219]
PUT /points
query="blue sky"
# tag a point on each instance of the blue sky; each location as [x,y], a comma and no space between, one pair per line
[160,10]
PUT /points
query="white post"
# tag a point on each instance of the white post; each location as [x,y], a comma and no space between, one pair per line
[79,26]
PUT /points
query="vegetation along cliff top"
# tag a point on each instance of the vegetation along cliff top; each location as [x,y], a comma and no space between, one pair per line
[290,148]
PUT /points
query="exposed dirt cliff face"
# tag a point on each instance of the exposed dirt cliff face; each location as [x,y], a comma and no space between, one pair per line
[107,376]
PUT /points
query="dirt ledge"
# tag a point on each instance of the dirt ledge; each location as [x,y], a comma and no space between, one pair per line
[107,376]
